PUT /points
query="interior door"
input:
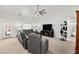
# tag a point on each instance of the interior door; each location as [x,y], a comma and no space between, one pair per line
[77,33]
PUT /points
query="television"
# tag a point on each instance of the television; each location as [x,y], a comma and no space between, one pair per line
[47,27]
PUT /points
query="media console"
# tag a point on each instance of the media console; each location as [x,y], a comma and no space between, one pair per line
[47,30]
[48,33]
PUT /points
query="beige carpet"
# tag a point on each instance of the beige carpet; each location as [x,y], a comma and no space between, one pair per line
[12,45]
[61,47]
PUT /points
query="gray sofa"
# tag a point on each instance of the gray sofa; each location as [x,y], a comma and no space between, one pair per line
[36,45]
[22,39]
[28,31]
[33,43]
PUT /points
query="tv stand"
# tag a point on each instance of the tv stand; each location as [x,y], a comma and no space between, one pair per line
[49,33]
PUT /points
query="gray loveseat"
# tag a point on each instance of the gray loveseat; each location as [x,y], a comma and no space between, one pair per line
[36,45]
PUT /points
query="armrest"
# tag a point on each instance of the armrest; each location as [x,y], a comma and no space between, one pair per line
[25,43]
[44,46]
[25,39]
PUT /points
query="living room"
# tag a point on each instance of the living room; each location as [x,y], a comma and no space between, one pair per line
[39,19]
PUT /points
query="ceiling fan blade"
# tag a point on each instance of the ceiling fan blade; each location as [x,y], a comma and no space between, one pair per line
[41,13]
[43,10]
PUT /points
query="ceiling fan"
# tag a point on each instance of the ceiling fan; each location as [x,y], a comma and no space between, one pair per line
[40,12]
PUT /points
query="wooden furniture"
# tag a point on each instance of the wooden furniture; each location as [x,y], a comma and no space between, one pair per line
[47,30]
[77,33]
[49,33]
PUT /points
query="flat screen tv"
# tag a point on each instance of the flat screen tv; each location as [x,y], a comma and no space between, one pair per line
[47,27]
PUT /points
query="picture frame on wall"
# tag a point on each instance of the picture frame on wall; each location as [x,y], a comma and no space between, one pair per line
[7,29]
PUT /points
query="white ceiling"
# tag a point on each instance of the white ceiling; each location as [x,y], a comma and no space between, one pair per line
[27,11]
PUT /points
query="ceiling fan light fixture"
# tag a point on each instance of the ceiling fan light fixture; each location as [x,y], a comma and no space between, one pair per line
[40,12]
